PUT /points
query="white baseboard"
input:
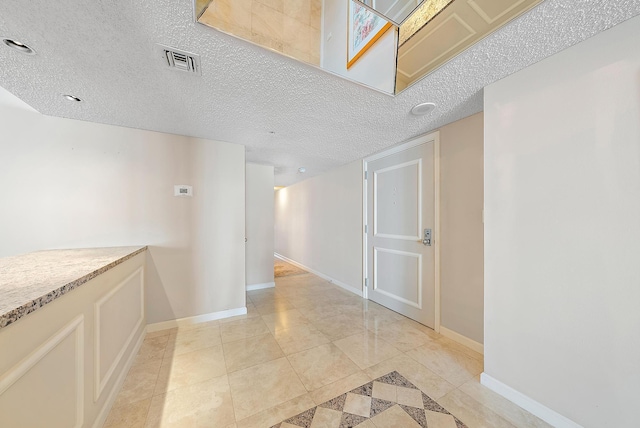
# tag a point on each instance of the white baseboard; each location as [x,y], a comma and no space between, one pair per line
[320,274]
[262,286]
[183,322]
[532,406]
[463,340]
[104,412]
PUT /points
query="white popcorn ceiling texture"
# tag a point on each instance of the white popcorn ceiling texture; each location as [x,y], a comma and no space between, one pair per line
[104,52]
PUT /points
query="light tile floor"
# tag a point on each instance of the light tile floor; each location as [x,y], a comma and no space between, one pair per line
[300,344]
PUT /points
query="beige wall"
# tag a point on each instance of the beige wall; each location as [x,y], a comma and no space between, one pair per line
[562,232]
[73,184]
[319,224]
[461,228]
[260,224]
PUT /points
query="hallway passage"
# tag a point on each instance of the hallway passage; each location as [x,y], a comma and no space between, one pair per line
[308,343]
[282,268]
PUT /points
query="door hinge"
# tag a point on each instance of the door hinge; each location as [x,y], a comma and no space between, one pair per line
[366,282]
[366,175]
[366,228]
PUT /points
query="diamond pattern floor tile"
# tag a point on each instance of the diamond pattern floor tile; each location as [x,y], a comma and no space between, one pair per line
[360,406]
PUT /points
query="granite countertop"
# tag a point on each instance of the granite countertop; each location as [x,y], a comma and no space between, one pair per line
[30,281]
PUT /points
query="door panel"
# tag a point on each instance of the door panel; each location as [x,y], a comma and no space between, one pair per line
[398,275]
[400,205]
[397,201]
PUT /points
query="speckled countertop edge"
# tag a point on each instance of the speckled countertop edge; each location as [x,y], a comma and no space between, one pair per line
[14,315]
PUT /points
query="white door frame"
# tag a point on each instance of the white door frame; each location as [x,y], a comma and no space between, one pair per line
[435,138]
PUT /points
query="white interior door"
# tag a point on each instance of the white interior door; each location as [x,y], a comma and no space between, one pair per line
[400,207]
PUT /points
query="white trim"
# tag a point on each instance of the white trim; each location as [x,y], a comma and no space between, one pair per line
[484,14]
[365,291]
[402,11]
[398,237]
[262,286]
[463,340]
[436,232]
[386,13]
[376,250]
[414,142]
[418,235]
[16,372]
[529,404]
[183,322]
[80,368]
[435,137]
[420,38]
[321,275]
[100,384]
[111,398]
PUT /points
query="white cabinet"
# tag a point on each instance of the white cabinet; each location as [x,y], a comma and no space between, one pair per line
[62,365]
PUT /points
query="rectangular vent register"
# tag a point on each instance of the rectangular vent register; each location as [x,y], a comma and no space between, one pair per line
[181,60]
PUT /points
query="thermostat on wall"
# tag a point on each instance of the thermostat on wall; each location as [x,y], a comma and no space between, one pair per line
[182,190]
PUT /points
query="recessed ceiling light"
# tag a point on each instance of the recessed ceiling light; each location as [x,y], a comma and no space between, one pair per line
[20,47]
[302,170]
[71,98]
[422,109]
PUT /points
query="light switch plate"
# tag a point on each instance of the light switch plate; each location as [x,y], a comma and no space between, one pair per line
[182,190]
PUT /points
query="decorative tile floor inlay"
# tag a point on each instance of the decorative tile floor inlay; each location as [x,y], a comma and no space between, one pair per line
[389,396]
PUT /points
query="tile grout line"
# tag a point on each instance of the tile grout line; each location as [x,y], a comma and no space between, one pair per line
[289,361]
[330,301]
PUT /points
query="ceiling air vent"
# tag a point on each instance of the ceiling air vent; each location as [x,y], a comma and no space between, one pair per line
[181,60]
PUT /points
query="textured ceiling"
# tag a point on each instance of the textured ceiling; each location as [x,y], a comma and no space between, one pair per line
[104,52]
